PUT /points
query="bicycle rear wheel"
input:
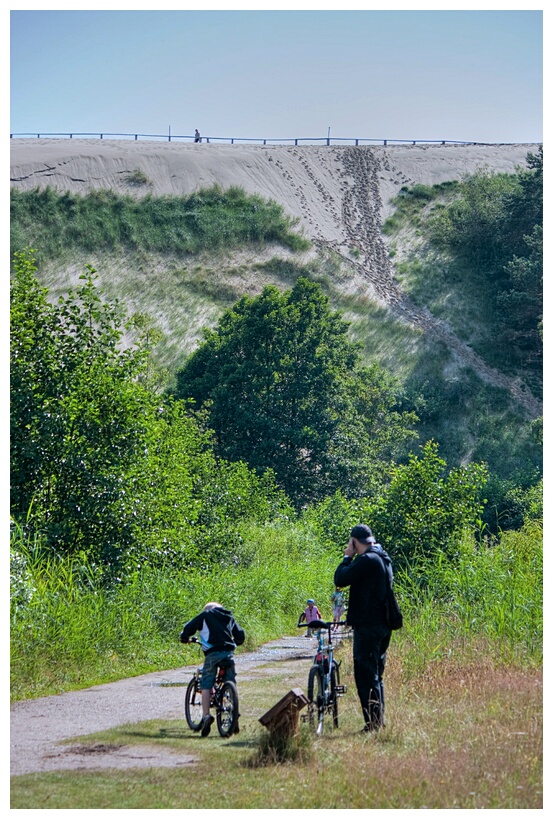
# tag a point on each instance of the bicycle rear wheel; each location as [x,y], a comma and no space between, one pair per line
[227,709]
[315,695]
[193,705]
[334,681]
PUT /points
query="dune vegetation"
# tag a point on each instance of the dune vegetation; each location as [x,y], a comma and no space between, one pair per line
[235,470]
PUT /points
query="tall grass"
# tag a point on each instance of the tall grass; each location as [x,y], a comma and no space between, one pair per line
[67,633]
[487,598]
[210,219]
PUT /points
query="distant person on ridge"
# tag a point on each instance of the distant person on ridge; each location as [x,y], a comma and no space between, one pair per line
[197,137]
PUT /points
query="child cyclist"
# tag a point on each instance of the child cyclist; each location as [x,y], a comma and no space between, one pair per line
[311,613]
[219,636]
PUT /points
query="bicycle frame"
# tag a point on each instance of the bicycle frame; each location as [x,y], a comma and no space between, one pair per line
[223,697]
[325,676]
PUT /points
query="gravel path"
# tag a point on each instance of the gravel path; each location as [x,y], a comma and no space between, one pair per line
[37,727]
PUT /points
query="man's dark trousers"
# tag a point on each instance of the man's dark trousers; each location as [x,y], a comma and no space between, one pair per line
[370,643]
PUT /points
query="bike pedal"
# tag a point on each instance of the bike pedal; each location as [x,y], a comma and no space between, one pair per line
[341,690]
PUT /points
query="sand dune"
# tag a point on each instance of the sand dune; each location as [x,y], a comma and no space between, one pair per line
[340,195]
[314,183]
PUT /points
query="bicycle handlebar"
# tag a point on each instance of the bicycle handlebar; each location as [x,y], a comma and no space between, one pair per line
[318,624]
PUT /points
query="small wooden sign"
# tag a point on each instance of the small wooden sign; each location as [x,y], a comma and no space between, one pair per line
[283,718]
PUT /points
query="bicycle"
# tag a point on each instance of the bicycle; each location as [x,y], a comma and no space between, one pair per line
[224,698]
[323,684]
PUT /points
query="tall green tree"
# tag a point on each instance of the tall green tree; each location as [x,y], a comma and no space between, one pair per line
[100,462]
[495,229]
[77,412]
[283,390]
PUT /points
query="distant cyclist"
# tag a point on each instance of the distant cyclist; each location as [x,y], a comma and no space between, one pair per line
[311,613]
[219,636]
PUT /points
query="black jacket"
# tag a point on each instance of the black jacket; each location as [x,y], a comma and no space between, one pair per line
[366,576]
[218,629]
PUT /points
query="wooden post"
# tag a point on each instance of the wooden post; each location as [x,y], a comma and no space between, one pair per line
[283,718]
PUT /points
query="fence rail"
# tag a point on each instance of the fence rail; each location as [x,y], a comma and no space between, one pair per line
[327,140]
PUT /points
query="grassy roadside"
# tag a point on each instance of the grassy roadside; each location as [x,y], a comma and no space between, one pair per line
[466,733]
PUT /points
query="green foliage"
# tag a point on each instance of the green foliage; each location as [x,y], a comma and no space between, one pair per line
[423,506]
[283,390]
[512,502]
[521,306]
[473,223]
[495,230]
[72,631]
[76,412]
[332,520]
[210,219]
[415,515]
[493,590]
[99,462]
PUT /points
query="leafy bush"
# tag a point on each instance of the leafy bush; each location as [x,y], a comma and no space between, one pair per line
[100,463]
[423,506]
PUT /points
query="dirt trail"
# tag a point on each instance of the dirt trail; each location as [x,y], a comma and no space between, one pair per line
[39,727]
[361,223]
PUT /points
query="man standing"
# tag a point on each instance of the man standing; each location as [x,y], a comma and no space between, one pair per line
[365,573]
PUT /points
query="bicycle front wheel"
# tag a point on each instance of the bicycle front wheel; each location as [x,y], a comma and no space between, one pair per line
[315,695]
[193,705]
[227,709]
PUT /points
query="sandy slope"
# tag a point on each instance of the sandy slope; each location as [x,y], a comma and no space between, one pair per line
[340,194]
[311,182]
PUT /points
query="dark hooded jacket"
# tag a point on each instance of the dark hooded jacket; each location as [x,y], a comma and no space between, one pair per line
[365,574]
[218,629]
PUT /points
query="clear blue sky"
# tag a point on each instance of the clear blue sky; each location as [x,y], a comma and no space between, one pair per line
[456,75]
